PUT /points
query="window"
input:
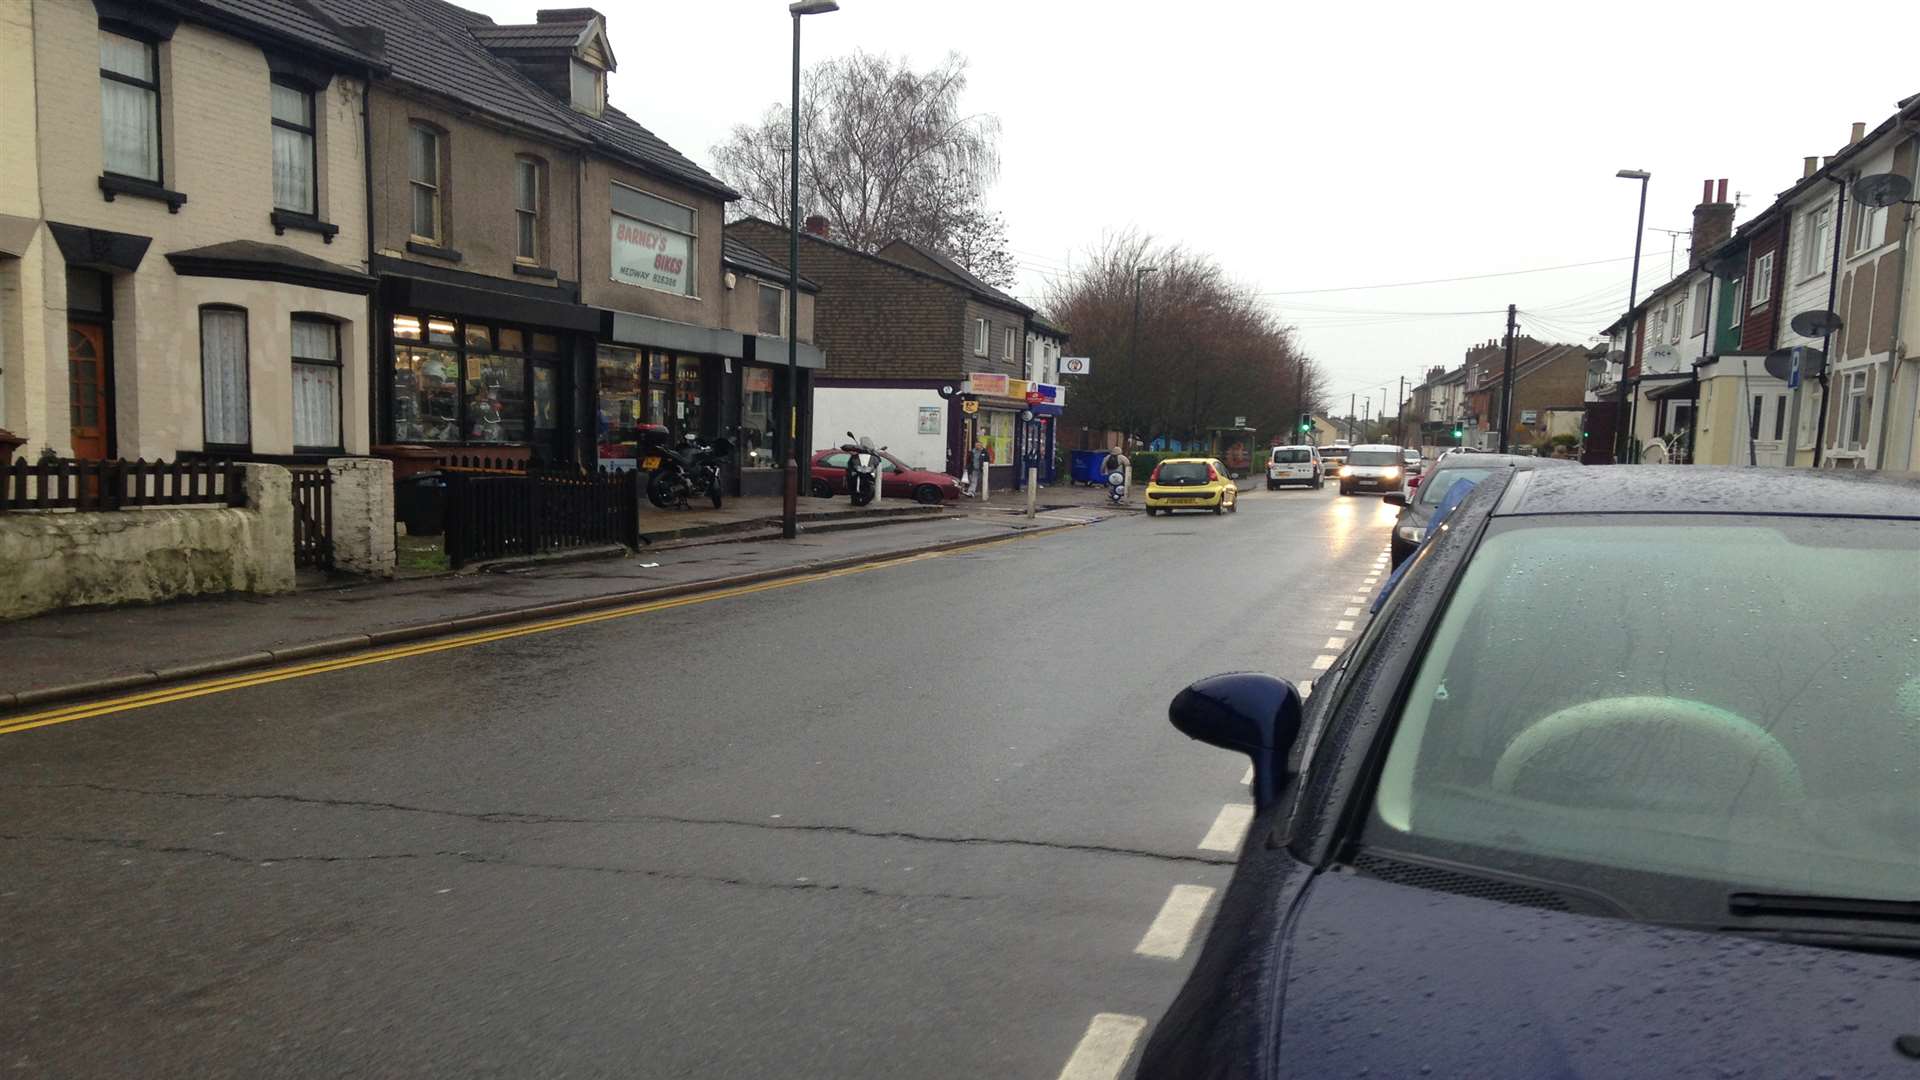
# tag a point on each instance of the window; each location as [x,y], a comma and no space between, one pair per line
[759,436]
[981,335]
[1817,235]
[1779,418]
[316,384]
[1734,306]
[1869,227]
[653,241]
[294,166]
[130,106]
[459,381]
[1753,417]
[1761,290]
[1679,319]
[588,85]
[1000,437]
[1853,424]
[424,178]
[223,376]
[1006,344]
[1700,307]
[526,208]
[771,308]
[1659,326]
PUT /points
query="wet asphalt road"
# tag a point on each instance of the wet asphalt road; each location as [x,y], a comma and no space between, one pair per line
[908,822]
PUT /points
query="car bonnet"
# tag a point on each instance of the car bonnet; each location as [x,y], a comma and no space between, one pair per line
[1387,979]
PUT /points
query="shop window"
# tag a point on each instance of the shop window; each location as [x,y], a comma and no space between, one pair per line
[294,164]
[546,397]
[130,106]
[423,178]
[1000,437]
[688,397]
[772,307]
[223,377]
[759,430]
[316,384]
[472,382]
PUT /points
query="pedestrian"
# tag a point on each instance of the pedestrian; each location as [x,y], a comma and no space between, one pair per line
[1116,461]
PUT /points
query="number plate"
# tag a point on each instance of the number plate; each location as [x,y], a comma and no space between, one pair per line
[650,463]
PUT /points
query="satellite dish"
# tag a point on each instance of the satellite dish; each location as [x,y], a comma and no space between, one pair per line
[1617,356]
[1727,267]
[1882,189]
[1816,323]
[1663,360]
[1812,362]
[1598,366]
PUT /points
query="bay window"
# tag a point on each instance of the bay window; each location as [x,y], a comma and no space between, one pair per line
[316,384]
[223,377]
[130,106]
[294,164]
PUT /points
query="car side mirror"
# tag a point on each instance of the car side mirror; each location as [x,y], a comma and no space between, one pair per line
[1395,498]
[1253,714]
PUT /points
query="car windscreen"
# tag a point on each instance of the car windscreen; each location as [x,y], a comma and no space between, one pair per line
[1374,457]
[1182,472]
[1291,457]
[1728,699]
[1434,488]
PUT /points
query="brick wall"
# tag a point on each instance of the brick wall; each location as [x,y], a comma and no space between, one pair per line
[874,318]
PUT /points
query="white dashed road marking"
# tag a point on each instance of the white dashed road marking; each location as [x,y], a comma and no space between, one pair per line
[1335,643]
[1353,611]
[1343,624]
[1322,663]
[1248,778]
[1105,1048]
[1228,828]
[1172,929]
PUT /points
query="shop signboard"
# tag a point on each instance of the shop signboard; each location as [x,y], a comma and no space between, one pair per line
[987,385]
[969,406]
[651,257]
[1076,365]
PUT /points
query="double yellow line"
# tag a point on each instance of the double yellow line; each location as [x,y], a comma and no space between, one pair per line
[86,709]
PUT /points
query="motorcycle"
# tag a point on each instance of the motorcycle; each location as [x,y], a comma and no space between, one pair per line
[863,469]
[691,470]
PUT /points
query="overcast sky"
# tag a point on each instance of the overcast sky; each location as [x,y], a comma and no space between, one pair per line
[1314,147]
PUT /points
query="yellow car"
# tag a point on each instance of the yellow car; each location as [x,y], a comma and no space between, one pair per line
[1193,483]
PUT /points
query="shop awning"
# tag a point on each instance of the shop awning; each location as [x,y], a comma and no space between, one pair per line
[773,350]
[628,328]
[399,292]
[15,234]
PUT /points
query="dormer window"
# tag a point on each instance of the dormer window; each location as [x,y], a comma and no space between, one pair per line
[589,88]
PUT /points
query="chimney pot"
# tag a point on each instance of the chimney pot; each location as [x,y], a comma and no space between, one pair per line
[817,225]
[1809,167]
[1826,161]
[1723,190]
[1859,132]
[1706,191]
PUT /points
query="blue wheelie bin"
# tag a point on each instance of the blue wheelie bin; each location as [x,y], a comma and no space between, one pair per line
[1085,468]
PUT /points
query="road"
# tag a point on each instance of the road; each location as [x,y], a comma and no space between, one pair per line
[923,820]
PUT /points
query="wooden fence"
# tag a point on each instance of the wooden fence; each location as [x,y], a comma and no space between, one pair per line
[313,518]
[71,484]
[498,516]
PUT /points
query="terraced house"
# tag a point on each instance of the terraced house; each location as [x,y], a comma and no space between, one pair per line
[183,235]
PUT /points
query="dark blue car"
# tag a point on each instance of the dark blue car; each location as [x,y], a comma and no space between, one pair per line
[1623,780]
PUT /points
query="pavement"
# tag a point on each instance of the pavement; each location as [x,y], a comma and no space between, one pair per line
[924,818]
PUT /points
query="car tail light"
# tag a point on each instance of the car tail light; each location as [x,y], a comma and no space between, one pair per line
[1212,477]
[1155,477]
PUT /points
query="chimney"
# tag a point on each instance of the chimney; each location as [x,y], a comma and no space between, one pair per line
[816,226]
[1712,222]
[1859,132]
[1809,167]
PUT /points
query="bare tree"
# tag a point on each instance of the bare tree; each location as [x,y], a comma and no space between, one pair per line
[886,153]
[1208,350]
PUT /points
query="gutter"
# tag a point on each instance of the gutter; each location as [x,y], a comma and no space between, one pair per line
[374,336]
[1896,348]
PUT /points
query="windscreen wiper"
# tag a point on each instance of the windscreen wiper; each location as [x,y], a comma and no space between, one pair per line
[1824,907]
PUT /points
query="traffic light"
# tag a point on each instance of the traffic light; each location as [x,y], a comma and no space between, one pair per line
[1306,423]
[1457,433]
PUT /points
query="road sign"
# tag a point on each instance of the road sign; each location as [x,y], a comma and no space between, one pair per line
[1793,371]
[1076,365]
[969,406]
[1239,421]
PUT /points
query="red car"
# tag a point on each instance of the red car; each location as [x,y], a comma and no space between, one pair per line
[896,480]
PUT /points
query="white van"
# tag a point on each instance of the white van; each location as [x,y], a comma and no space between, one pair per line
[1295,465]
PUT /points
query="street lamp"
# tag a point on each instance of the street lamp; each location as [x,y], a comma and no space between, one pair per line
[1623,440]
[1133,342]
[790,506]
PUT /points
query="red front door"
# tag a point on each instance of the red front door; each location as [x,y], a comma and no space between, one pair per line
[87,377]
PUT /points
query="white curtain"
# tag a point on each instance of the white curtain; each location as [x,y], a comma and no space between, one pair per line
[223,375]
[293,170]
[316,386]
[128,129]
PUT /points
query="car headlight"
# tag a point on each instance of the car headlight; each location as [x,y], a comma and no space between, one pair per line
[1412,534]
[1389,472]
[1346,470]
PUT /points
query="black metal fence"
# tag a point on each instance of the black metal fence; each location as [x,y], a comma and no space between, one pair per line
[313,518]
[497,516]
[72,484]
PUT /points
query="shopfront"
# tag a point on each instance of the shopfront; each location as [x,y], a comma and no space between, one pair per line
[1016,420]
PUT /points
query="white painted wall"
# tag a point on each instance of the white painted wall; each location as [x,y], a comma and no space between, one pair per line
[890,417]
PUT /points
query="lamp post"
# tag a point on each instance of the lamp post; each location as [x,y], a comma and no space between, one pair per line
[790,505]
[1133,342]
[1623,440]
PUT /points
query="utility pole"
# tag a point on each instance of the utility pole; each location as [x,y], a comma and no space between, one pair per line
[1366,416]
[1506,382]
[1623,416]
[1352,408]
[1400,414]
[1133,347]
